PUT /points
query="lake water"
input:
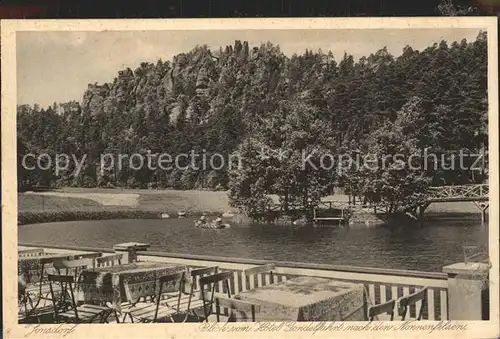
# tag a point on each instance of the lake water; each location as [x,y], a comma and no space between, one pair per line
[427,248]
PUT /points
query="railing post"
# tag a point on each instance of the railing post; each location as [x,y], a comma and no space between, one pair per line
[468,291]
[129,250]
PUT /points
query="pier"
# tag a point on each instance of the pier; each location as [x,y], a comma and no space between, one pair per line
[337,214]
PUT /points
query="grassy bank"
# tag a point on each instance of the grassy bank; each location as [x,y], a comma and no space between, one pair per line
[110,199]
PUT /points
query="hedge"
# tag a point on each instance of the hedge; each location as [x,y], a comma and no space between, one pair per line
[56,216]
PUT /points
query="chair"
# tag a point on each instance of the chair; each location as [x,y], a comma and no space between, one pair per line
[151,312]
[33,285]
[251,272]
[240,306]
[67,310]
[87,255]
[197,273]
[384,308]
[212,281]
[191,300]
[109,260]
[73,266]
[24,298]
[35,288]
[412,299]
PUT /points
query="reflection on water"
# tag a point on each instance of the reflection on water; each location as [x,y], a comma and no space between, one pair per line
[426,248]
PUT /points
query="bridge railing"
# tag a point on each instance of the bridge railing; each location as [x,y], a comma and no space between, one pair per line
[479,191]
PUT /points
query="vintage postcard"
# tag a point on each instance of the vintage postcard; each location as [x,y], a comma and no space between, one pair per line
[253,177]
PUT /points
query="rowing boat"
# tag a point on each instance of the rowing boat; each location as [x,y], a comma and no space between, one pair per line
[211,225]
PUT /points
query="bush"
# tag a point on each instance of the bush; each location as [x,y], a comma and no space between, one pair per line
[56,216]
[25,218]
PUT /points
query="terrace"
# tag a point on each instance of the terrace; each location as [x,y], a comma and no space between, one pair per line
[105,283]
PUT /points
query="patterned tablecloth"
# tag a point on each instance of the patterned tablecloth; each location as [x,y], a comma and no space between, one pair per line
[308,299]
[29,269]
[107,284]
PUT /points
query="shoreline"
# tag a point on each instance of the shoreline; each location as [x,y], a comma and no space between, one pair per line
[73,204]
[32,218]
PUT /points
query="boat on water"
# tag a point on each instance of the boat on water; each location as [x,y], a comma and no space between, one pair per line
[212,225]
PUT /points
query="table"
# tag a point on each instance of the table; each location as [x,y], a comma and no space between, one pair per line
[32,273]
[308,299]
[32,269]
[106,284]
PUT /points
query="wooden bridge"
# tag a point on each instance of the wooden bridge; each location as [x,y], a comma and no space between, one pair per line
[473,193]
[478,194]
[339,211]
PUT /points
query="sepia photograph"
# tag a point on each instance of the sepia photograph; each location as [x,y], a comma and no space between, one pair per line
[342,175]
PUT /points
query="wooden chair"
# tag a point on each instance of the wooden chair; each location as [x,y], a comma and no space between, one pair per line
[191,301]
[412,299]
[27,299]
[197,273]
[212,281]
[36,289]
[151,312]
[65,308]
[33,285]
[245,308]
[71,267]
[385,308]
[251,272]
[109,260]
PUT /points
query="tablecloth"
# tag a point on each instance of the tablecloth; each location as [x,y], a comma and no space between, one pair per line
[308,299]
[107,284]
[29,269]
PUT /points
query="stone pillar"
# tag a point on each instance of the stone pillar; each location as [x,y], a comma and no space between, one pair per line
[129,250]
[468,291]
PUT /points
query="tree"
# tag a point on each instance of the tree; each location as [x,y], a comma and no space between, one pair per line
[400,183]
[242,98]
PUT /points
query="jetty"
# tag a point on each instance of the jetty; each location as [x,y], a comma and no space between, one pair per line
[331,211]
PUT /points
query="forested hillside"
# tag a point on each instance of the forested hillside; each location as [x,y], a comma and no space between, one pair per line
[241,98]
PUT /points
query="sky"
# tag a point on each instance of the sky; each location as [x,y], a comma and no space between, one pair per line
[58,66]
